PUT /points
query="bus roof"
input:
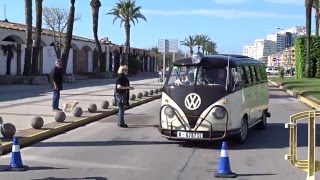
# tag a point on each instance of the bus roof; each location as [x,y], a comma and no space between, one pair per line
[219,60]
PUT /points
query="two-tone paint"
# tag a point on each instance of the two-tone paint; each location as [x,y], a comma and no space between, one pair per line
[249,102]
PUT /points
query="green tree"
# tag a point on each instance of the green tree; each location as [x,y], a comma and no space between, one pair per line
[68,39]
[127,12]
[201,40]
[155,50]
[189,42]
[211,47]
[36,49]
[308,5]
[95,6]
[28,49]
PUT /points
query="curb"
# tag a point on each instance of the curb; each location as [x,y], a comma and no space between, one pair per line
[302,99]
[45,134]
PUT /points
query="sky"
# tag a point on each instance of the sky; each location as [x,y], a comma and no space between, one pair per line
[230,23]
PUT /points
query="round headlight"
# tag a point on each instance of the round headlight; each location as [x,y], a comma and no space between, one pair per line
[168,111]
[219,113]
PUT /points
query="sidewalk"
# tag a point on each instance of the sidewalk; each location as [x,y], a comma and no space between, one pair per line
[20,103]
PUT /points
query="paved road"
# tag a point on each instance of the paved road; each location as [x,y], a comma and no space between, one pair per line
[103,151]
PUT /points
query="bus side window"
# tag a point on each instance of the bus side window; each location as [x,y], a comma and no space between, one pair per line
[247,75]
[241,78]
[253,74]
[258,73]
[263,73]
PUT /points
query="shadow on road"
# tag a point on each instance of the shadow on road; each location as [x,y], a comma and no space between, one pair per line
[36,168]
[280,96]
[274,137]
[89,178]
[101,143]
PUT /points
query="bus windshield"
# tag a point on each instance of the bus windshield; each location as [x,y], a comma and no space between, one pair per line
[191,75]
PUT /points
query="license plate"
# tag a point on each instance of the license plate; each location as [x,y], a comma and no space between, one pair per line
[192,135]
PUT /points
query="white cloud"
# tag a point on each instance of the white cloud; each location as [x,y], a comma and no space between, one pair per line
[220,13]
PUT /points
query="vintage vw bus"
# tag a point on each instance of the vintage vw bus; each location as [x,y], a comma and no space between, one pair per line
[213,97]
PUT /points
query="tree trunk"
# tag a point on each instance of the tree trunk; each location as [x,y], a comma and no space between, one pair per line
[308,29]
[191,51]
[36,49]
[95,5]
[68,39]
[28,49]
[317,23]
[125,56]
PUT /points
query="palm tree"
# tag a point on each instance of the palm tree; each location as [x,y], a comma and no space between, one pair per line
[317,15]
[197,38]
[201,41]
[127,11]
[155,50]
[28,50]
[210,47]
[308,4]
[190,42]
[95,5]
[36,49]
[68,39]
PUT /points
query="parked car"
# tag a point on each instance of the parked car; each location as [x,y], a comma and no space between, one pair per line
[291,71]
[272,70]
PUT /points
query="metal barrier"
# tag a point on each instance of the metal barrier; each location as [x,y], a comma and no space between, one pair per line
[311,165]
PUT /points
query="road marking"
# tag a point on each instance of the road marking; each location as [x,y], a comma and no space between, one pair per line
[78,164]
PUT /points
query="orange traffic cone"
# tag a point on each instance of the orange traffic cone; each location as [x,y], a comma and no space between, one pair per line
[224,170]
[16,161]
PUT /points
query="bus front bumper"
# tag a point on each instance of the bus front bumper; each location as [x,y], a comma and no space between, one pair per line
[206,135]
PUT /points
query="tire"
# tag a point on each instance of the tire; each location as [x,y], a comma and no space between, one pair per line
[269,73]
[262,124]
[242,136]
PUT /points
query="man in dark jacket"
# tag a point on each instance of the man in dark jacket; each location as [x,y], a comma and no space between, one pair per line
[57,79]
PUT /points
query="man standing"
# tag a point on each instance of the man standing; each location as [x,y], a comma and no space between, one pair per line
[57,79]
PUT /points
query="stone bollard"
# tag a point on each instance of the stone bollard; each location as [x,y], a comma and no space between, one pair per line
[151,92]
[8,130]
[145,93]
[37,122]
[139,95]
[156,91]
[92,108]
[133,97]
[60,116]
[77,112]
[105,104]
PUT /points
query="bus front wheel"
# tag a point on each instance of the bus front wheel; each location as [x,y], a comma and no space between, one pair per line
[242,136]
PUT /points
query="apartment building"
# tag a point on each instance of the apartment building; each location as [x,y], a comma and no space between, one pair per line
[261,48]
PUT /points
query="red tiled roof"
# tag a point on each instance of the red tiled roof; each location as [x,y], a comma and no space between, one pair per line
[22,27]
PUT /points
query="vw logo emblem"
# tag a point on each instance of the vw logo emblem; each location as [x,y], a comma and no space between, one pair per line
[192,101]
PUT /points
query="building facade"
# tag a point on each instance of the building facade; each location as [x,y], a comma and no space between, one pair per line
[83,56]
[260,49]
[275,45]
[285,58]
